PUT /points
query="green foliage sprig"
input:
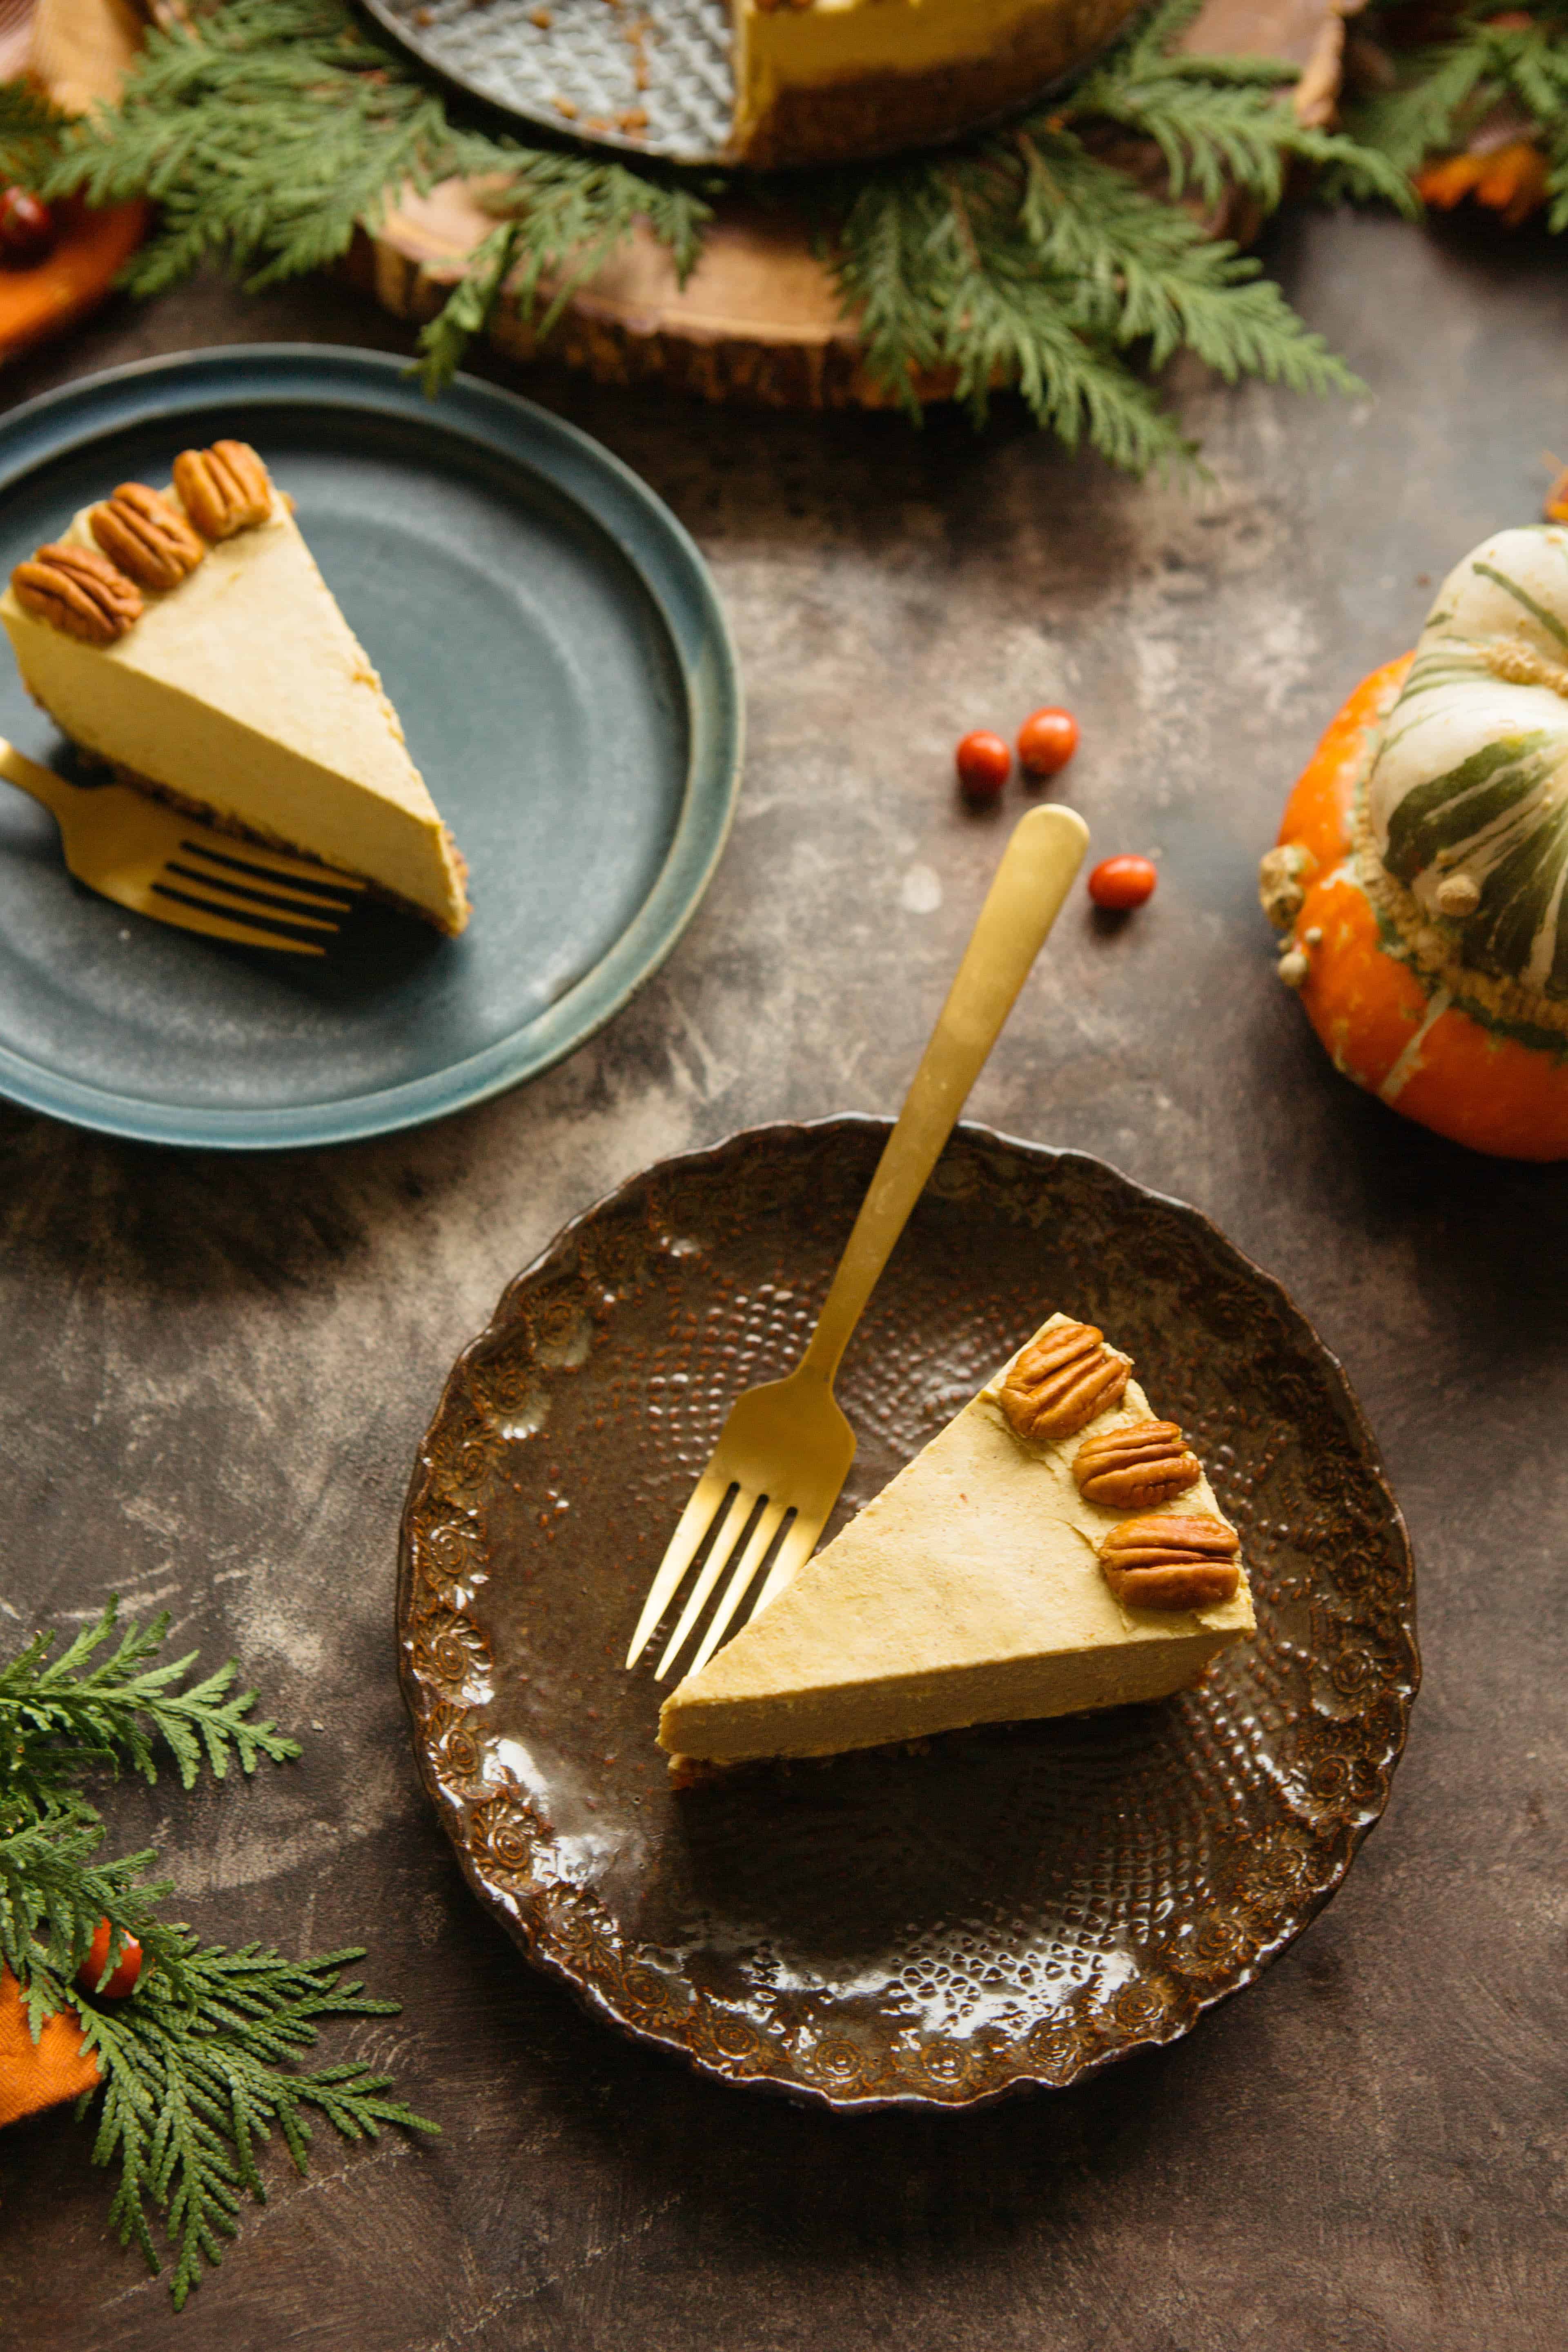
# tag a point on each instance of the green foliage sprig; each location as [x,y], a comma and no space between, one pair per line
[120,1708]
[1219,123]
[269,131]
[1027,259]
[31,132]
[1442,92]
[198,2064]
[1024,260]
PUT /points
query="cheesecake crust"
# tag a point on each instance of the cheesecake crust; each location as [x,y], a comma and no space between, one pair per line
[221,822]
[880,111]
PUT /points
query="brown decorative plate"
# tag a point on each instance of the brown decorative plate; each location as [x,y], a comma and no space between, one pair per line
[1018,1904]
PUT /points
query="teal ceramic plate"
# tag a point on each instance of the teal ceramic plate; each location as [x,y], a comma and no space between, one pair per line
[557,652]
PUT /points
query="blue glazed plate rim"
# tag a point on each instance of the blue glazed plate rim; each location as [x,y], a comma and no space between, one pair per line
[649,540]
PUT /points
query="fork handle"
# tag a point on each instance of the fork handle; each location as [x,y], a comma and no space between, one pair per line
[43,783]
[1026,896]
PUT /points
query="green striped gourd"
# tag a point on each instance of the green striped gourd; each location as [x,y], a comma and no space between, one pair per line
[1421,873]
[1467,798]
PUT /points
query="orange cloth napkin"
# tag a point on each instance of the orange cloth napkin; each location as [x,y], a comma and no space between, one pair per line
[33,2075]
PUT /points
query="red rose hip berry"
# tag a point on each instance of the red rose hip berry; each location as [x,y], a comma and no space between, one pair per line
[1047,740]
[126,1970]
[984,764]
[27,230]
[1120,883]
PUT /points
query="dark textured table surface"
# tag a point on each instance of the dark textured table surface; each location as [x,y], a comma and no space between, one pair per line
[214,1374]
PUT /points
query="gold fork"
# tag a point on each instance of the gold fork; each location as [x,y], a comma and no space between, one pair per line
[147,856]
[786,1447]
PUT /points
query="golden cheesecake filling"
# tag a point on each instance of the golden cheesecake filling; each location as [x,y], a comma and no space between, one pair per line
[241,692]
[983,1584]
[831,80]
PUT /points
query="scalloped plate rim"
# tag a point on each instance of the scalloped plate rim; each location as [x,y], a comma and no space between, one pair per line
[587,1995]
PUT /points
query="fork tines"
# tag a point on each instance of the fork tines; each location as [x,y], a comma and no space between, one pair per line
[279,899]
[718,1515]
[726,1551]
[743,1532]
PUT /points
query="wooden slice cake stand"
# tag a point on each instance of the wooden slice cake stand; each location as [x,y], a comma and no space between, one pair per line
[759,318]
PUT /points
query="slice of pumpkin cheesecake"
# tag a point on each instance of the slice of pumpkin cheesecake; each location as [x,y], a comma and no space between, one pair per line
[1055,1549]
[822,81]
[186,638]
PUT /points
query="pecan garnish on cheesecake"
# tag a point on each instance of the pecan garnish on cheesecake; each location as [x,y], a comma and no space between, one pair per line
[1060,1383]
[1166,1560]
[148,539]
[225,488]
[79,590]
[93,592]
[1133,1467]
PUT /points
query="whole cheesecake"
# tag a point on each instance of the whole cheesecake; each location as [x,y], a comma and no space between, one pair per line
[820,81]
[1055,1549]
[186,638]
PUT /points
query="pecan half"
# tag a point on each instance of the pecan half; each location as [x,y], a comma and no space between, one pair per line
[1063,1380]
[1128,1469]
[1164,1561]
[225,488]
[148,539]
[79,591]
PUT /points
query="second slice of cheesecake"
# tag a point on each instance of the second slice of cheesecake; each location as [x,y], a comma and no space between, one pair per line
[193,647]
[973,1588]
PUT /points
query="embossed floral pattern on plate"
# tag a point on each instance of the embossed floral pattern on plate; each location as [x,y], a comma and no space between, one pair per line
[1020,1903]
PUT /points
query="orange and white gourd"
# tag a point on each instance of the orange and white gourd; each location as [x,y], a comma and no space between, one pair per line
[1421,869]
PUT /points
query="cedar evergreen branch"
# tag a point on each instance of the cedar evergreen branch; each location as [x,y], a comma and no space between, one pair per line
[1024,259]
[199,2063]
[1019,260]
[1447,89]
[269,131]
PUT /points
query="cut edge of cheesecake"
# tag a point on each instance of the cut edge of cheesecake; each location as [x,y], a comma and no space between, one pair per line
[826,81]
[243,658]
[969,1590]
[452,919]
